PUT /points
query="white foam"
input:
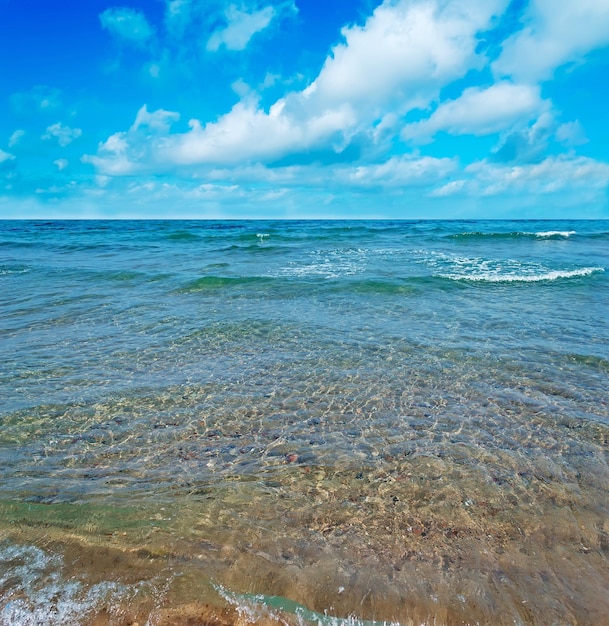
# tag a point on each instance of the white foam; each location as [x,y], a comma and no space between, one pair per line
[479,269]
[499,277]
[555,233]
[34,591]
[330,264]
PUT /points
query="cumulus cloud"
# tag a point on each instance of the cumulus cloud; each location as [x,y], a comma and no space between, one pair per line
[481,111]
[127,24]
[242,25]
[112,156]
[555,33]
[244,134]
[399,59]
[137,149]
[404,53]
[63,134]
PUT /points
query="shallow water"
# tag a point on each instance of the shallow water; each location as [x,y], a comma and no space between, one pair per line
[304,422]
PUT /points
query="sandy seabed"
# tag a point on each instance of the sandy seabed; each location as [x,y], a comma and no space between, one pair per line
[418,541]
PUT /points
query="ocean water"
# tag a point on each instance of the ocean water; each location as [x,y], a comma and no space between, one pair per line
[316,422]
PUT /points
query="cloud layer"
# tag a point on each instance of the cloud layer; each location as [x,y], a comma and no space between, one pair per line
[410,101]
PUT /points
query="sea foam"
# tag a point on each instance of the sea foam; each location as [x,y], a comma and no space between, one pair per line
[555,233]
[480,269]
[35,591]
[498,277]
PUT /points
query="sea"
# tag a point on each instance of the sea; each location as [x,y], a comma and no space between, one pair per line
[304,422]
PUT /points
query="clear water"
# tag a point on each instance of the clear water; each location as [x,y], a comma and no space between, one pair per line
[304,422]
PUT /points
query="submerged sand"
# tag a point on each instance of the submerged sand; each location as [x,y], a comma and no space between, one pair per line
[414,541]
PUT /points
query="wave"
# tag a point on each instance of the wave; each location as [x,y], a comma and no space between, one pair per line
[216,283]
[258,247]
[296,286]
[544,234]
[6,270]
[260,607]
[530,276]
[479,269]
[555,234]
[183,236]
[304,284]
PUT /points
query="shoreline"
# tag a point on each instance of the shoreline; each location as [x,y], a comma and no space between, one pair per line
[417,551]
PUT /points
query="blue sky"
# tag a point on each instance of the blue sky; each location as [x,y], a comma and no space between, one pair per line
[303,108]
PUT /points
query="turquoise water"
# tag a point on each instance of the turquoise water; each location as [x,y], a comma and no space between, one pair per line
[381,421]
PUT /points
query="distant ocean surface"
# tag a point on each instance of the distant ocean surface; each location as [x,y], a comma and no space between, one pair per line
[304,422]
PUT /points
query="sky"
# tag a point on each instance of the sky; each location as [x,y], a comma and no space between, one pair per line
[217,109]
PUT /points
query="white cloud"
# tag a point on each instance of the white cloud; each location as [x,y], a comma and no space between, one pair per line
[64,134]
[246,133]
[564,182]
[127,24]
[136,149]
[269,80]
[241,27]
[399,59]
[481,111]
[241,88]
[554,174]
[112,158]
[571,134]
[159,120]
[6,156]
[61,164]
[450,188]
[16,137]
[405,52]
[405,170]
[555,32]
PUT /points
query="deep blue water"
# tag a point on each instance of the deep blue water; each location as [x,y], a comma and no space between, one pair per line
[148,363]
